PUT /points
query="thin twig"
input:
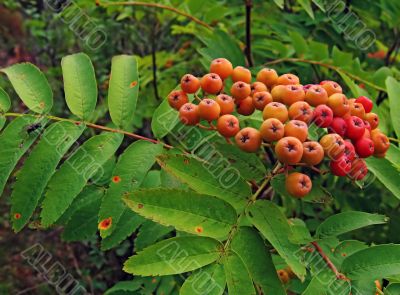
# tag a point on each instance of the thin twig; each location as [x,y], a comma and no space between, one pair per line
[154,57]
[92,125]
[328,262]
[329,66]
[394,139]
[161,6]
[249,56]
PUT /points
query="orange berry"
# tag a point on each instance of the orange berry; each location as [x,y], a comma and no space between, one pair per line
[248,139]
[276,110]
[288,79]
[241,74]
[277,93]
[189,114]
[261,99]
[267,76]
[381,143]
[297,128]
[211,83]
[331,87]
[316,95]
[292,94]
[272,130]
[226,103]
[222,67]
[313,153]
[372,119]
[258,87]
[301,111]
[209,109]
[283,276]
[245,106]
[190,84]
[228,125]
[240,90]
[177,98]
[333,145]
[298,184]
[289,150]
[357,109]
[339,105]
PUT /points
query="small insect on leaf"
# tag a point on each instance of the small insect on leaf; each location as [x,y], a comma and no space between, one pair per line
[116,179]
[105,224]
[133,84]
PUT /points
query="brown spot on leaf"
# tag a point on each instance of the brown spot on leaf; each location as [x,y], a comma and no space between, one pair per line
[17,216]
[105,224]
[140,206]
[116,179]
[133,84]
[198,229]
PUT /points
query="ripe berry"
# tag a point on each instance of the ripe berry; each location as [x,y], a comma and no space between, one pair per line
[258,87]
[358,169]
[283,276]
[323,116]
[338,126]
[367,125]
[333,145]
[190,84]
[228,125]
[289,150]
[288,79]
[177,98]
[340,166]
[248,139]
[261,99]
[222,67]
[297,129]
[357,109]
[313,153]
[277,93]
[301,111]
[276,110]
[372,119]
[366,102]
[245,106]
[211,83]
[355,128]
[267,76]
[339,104]
[292,94]
[209,109]
[189,114]
[364,147]
[298,184]
[226,103]
[349,150]
[240,90]
[331,87]
[381,143]
[272,130]
[241,74]
[316,95]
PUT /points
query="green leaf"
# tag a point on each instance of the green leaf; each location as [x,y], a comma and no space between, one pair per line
[158,231]
[2,121]
[5,103]
[393,289]
[274,226]
[393,88]
[14,142]
[39,167]
[280,3]
[300,233]
[320,4]
[128,223]
[237,276]
[83,222]
[73,174]
[250,247]
[209,280]
[306,4]
[347,248]
[174,256]
[187,211]
[123,90]
[386,172]
[80,84]
[373,263]
[132,167]
[299,43]
[348,221]
[249,165]
[355,90]
[124,286]
[31,86]
[226,185]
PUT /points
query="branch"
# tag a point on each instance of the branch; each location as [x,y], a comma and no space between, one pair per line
[94,126]
[154,57]
[249,5]
[329,263]
[161,6]
[329,66]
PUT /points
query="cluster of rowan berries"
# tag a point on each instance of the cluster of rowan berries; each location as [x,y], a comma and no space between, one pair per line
[288,108]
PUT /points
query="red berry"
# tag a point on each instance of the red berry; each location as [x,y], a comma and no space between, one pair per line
[364,147]
[366,102]
[323,116]
[358,169]
[355,127]
[338,126]
[349,150]
[340,166]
